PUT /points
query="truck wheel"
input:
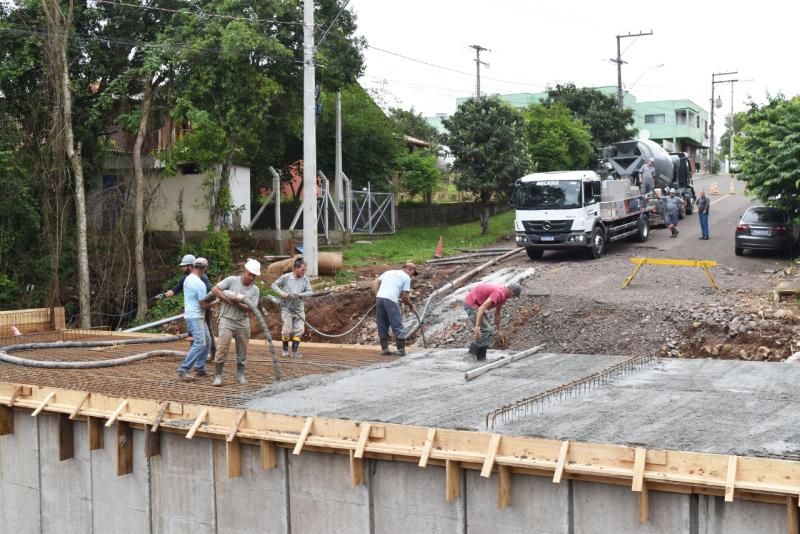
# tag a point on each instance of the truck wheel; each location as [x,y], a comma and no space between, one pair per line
[644,229]
[739,251]
[598,243]
[689,207]
[682,213]
[534,253]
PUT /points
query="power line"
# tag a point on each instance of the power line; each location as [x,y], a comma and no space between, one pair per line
[324,35]
[196,14]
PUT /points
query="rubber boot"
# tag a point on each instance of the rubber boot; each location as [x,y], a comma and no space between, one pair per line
[385,347]
[401,347]
[218,374]
[240,374]
[481,354]
[472,354]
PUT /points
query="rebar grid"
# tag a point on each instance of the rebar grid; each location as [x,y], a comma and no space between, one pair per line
[537,403]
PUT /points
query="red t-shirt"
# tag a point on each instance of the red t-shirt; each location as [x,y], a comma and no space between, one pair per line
[478,295]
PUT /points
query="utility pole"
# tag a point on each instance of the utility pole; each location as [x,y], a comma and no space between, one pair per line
[309,143]
[714,82]
[619,62]
[730,152]
[478,63]
[338,183]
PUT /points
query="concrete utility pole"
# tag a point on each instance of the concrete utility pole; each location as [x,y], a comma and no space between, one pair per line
[338,183]
[478,63]
[309,143]
[619,62]
[714,82]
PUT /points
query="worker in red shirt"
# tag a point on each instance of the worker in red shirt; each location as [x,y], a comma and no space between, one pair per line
[480,298]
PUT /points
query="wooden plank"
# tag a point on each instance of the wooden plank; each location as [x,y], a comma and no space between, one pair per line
[94,427]
[644,505]
[116,413]
[654,456]
[197,422]
[362,440]
[124,448]
[41,406]
[303,435]
[6,420]
[66,438]
[235,427]
[356,469]
[13,398]
[730,481]
[452,470]
[561,462]
[269,454]
[474,373]
[159,417]
[491,454]
[791,515]
[233,458]
[638,469]
[77,410]
[503,486]
[427,447]
[152,442]
[377,431]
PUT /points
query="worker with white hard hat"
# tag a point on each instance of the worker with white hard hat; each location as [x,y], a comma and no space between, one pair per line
[673,209]
[234,322]
[186,266]
[647,175]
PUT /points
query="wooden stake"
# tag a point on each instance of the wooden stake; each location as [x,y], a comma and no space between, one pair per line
[730,482]
[269,455]
[426,449]
[362,440]
[791,515]
[503,486]
[41,406]
[235,427]
[94,426]
[77,410]
[644,505]
[14,395]
[638,468]
[116,413]
[452,476]
[491,454]
[197,423]
[233,456]
[66,439]
[124,448]
[356,469]
[303,435]
[562,461]
[159,417]
[6,420]
[152,442]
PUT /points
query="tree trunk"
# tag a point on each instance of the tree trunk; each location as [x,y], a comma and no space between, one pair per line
[138,174]
[485,204]
[222,193]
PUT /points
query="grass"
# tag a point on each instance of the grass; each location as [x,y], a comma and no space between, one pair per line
[419,243]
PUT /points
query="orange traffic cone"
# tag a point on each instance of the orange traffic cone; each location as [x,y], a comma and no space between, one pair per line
[732,189]
[714,189]
[438,253]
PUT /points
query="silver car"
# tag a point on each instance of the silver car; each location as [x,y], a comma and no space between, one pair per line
[765,228]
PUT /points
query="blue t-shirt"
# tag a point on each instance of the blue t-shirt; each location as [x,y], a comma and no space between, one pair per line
[194,290]
[392,283]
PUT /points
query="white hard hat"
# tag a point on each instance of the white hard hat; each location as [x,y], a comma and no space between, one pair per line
[201,263]
[672,190]
[652,160]
[187,260]
[253,267]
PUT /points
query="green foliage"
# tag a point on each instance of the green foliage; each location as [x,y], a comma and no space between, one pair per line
[557,141]
[418,172]
[725,140]
[487,139]
[216,248]
[414,124]
[768,152]
[608,122]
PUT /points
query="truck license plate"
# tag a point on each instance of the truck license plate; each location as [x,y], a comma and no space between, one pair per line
[548,238]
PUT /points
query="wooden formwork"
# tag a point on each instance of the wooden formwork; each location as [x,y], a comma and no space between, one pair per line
[643,470]
[32,320]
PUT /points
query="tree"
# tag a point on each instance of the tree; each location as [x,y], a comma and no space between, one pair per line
[487,140]
[608,122]
[414,124]
[725,140]
[768,151]
[557,141]
[418,173]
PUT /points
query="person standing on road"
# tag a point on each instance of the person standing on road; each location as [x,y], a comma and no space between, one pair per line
[234,323]
[388,287]
[194,304]
[673,208]
[647,174]
[480,298]
[702,212]
[293,287]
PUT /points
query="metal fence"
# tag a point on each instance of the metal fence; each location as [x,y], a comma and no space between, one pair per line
[370,212]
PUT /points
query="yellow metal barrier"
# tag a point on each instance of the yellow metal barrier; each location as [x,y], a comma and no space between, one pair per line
[704,264]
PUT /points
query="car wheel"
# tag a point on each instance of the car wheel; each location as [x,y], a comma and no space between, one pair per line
[739,251]
[534,253]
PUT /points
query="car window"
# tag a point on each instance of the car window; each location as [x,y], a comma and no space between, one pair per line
[763,216]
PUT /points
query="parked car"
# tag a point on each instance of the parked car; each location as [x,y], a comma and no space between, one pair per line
[765,228]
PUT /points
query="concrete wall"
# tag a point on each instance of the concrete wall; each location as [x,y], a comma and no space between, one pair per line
[185,489]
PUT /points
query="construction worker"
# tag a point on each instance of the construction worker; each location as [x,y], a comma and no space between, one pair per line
[480,298]
[388,287]
[647,174]
[673,208]
[186,266]
[194,305]
[234,323]
[293,287]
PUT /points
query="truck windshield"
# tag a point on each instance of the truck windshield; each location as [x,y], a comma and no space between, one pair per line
[550,194]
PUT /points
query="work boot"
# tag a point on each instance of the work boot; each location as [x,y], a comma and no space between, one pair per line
[185,377]
[472,354]
[240,374]
[481,354]
[385,347]
[401,347]
[218,374]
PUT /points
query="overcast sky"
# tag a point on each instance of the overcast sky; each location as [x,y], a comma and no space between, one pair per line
[534,44]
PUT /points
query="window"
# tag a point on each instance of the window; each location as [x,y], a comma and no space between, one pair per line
[591,192]
[655,119]
[698,121]
[680,116]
